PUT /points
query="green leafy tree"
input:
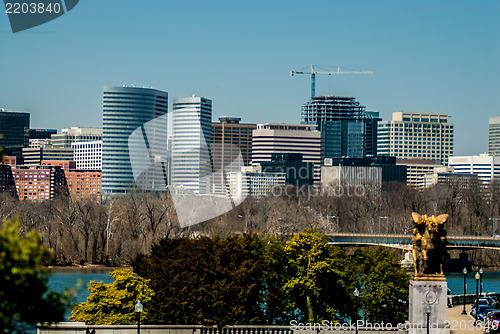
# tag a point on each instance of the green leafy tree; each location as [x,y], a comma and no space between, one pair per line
[384,285]
[318,284]
[113,303]
[208,281]
[24,295]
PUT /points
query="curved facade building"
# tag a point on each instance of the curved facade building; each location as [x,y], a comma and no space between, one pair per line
[126,109]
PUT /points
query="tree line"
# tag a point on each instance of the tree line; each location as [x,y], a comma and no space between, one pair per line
[116,230]
[251,280]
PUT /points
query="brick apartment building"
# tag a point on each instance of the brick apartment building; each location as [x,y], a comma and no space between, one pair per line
[82,184]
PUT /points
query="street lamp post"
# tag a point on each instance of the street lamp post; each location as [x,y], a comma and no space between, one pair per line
[480,281]
[428,314]
[477,294]
[356,295]
[138,309]
[465,287]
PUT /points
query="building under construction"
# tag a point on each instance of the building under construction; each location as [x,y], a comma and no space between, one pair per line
[348,130]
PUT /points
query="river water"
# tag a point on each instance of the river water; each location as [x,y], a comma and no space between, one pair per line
[62,279]
[491,282]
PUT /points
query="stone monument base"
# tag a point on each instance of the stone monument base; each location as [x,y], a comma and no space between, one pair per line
[428,293]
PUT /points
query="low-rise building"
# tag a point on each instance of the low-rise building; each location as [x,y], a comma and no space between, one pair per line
[390,170]
[39,183]
[82,184]
[445,176]
[7,183]
[355,180]
[34,156]
[485,166]
[415,168]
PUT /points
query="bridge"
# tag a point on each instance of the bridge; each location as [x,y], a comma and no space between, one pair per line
[403,241]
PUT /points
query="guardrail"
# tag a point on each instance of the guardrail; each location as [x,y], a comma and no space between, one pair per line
[454,241]
[459,299]
[81,328]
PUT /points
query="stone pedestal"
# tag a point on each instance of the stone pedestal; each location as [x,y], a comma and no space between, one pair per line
[429,290]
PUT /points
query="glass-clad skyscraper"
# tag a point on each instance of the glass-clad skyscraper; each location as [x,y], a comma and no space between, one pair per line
[126,109]
[14,131]
[191,127]
[348,130]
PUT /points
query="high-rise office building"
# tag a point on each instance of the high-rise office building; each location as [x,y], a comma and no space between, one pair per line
[126,109]
[287,138]
[74,135]
[229,130]
[348,130]
[416,136]
[229,139]
[88,154]
[191,127]
[14,131]
[494,135]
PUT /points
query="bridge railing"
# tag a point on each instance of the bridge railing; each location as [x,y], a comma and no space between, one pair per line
[405,239]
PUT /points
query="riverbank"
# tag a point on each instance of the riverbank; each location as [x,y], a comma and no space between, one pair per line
[87,268]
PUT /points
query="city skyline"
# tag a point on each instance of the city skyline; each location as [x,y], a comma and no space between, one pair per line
[426,57]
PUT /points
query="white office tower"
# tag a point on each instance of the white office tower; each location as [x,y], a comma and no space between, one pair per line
[191,128]
[88,154]
[494,135]
[416,136]
[287,138]
[191,165]
[485,166]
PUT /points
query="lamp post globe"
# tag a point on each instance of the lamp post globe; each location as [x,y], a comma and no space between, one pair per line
[480,281]
[477,276]
[138,309]
[356,295]
[464,271]
[428,309]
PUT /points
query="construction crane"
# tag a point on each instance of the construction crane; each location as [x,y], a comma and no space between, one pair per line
[314,72]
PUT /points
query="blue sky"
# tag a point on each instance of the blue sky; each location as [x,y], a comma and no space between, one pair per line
[427,56]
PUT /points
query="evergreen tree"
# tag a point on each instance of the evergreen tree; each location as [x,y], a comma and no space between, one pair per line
[206,280]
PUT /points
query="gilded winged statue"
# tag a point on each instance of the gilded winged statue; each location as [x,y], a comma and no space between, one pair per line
[429,243]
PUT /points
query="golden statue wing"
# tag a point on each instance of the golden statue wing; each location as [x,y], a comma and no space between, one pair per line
[418,219]
[441,219]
